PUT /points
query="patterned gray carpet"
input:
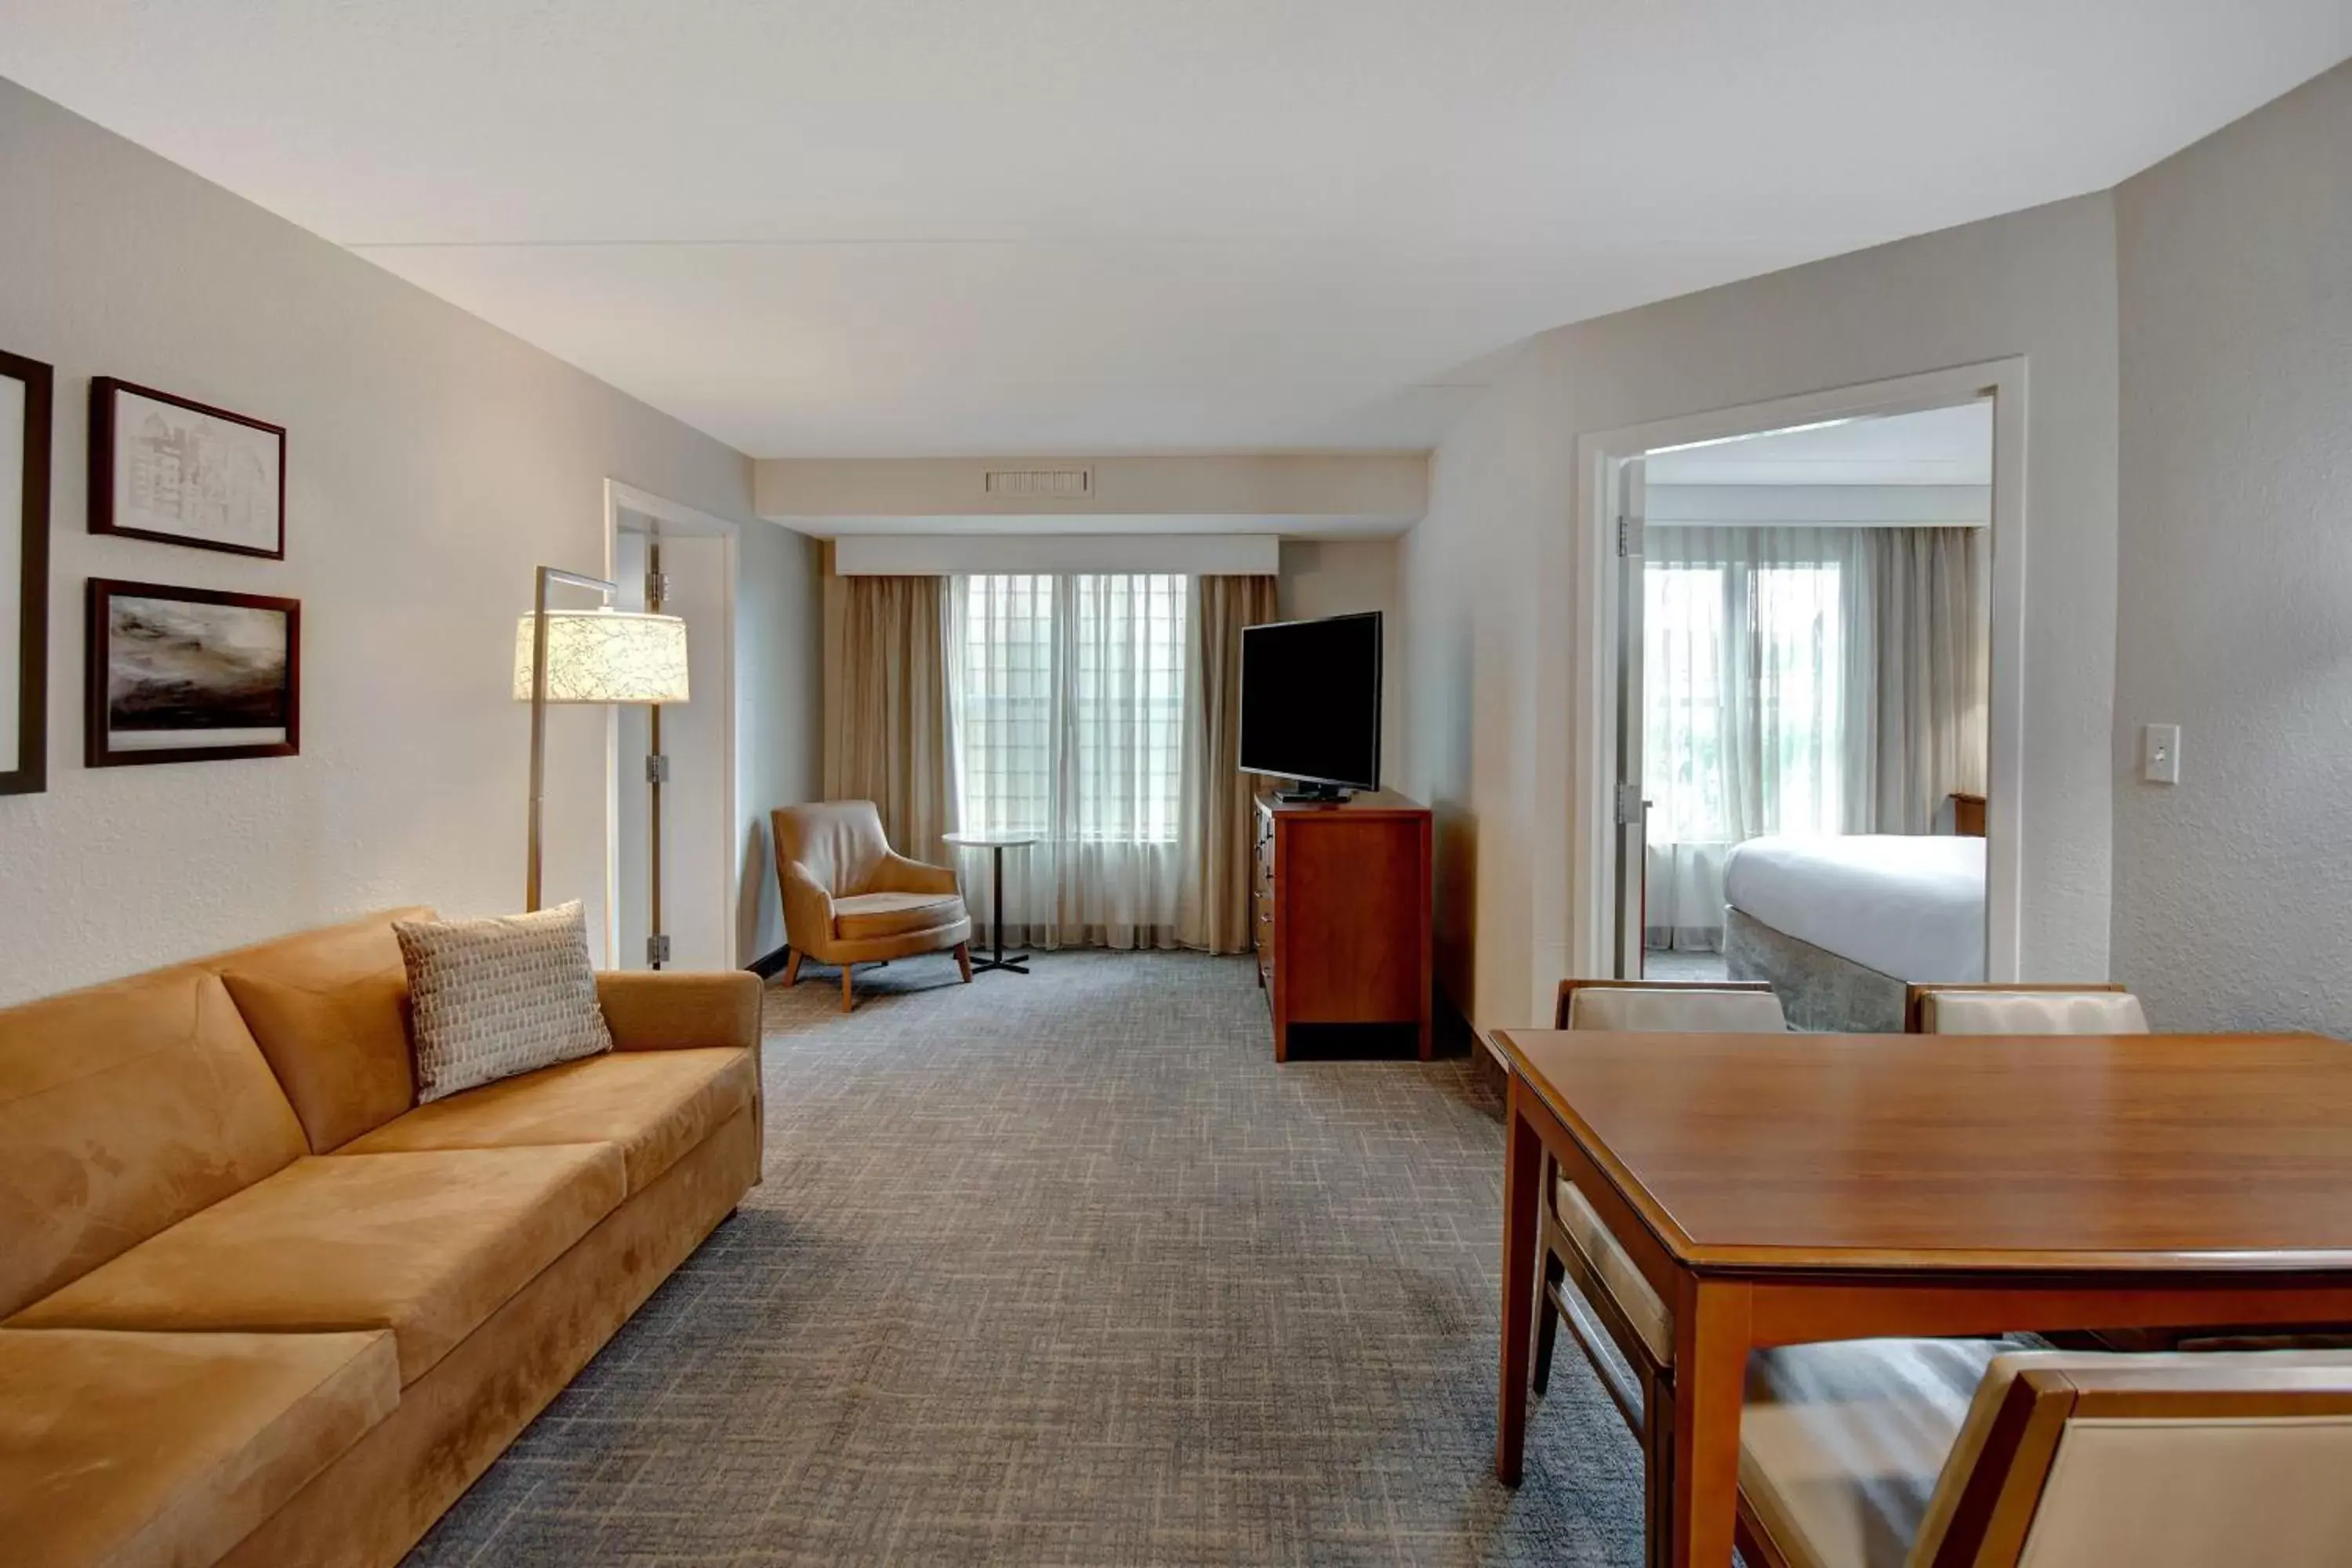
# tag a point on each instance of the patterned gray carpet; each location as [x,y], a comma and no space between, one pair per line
[1065,1270]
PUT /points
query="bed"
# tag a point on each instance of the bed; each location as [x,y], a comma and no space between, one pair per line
[1840,926]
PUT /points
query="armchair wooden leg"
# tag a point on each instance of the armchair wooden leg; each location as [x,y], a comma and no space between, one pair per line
[963,960]
[847,1000]
[793,969]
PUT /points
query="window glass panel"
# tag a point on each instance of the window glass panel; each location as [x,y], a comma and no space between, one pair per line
[1071,706]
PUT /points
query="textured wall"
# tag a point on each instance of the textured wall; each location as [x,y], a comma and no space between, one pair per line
[433,461]
[1490,575]
[1340,577]
[780,706]
[2235,268]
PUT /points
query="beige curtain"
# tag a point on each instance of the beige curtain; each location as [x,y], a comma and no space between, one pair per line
[1918,686]
[886,706]
[1214,828]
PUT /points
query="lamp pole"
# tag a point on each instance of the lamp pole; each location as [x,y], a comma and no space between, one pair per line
[548,575]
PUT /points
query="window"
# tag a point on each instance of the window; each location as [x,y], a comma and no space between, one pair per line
[1070,704]
[1743,670]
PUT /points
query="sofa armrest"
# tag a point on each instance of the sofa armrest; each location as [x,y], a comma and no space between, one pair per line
[668,1011]
[897,874]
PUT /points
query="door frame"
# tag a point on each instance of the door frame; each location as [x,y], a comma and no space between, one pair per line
[679,517]
[1595,690]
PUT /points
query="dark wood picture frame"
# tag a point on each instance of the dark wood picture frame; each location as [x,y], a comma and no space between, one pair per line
[104,391]
[31,773]
[96,729]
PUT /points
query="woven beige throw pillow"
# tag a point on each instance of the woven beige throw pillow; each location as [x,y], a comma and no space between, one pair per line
[495,997]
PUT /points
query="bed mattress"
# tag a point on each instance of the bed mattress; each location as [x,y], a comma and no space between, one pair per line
[1911,907]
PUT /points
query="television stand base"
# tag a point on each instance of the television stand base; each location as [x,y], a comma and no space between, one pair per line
[1313,795]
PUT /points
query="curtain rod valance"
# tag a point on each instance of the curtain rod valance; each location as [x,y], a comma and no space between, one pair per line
[955,554]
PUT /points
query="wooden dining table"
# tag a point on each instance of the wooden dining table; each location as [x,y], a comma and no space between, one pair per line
[1779,1189]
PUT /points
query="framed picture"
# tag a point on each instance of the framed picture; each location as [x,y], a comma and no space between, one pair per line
[188,675]
[165,469]
[23,574]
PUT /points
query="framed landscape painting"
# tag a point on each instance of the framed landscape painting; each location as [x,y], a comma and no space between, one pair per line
[23,574]
[188,675]
[165,469]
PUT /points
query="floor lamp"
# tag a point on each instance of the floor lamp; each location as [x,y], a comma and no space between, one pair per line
[600,656]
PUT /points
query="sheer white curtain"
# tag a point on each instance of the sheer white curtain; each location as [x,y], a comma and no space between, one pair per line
[1066,699]
[1745,660]
[1803,680]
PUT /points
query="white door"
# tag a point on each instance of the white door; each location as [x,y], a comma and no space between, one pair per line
[697,863]
[1629,807]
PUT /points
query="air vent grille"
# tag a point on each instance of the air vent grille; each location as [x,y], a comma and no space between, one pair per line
[1048,484]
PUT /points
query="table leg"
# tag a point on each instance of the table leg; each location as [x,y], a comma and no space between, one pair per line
[995,961]
[996,898]
[1523,1164]
[1711,1343]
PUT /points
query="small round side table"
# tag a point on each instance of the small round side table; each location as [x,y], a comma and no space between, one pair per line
[996,844]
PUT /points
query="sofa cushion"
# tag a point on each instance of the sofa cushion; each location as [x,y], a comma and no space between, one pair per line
[427,1245]
[492,998]
[124,1109]
[133,1449]
[861,917]
[654,1105]
[330,1010]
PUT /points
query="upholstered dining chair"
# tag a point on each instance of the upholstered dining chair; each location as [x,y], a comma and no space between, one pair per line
[2091,1007]
[850,899]
[1976,1454]
[1583,1262]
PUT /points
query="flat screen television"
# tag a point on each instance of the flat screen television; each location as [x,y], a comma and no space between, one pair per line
[1311,703]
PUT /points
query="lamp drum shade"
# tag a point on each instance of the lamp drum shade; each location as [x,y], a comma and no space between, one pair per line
[606,655]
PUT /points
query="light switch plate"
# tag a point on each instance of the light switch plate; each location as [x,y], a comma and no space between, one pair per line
[2159,753]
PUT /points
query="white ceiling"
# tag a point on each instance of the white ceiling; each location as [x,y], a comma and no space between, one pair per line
[1938,446]
[899,226]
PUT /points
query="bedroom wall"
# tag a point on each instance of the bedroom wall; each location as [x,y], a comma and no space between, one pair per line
[2235,268]
[433,461]
[1343,576]
[1488,576]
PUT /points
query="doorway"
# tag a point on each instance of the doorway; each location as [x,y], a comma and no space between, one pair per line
[671,841]
[1806,618]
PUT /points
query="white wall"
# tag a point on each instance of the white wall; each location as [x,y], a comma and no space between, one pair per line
[1340,577]
[780,697]
[1489,576]
[433,461]
[2235,269]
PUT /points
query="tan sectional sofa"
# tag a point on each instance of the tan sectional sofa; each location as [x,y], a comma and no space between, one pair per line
[257,1308]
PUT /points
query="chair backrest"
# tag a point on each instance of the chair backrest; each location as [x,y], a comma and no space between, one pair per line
[1651,1006]
[2091,1009]
[840,841]
[2160,1461]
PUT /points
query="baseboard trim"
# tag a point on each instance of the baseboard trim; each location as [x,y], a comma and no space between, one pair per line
[768,965]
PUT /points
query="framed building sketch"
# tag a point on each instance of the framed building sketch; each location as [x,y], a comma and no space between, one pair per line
[24,386]
[165,469]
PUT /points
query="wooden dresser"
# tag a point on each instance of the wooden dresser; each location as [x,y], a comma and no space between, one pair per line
[1341,912]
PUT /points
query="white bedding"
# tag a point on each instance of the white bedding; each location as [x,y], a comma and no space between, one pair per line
[1912,908]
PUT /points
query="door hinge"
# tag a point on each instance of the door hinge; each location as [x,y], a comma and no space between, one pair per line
[1630,805]
[1629,535]
[657,949]
[657,769]
[656,589]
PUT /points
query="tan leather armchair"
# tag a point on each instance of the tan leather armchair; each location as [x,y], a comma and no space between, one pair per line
[850,899]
